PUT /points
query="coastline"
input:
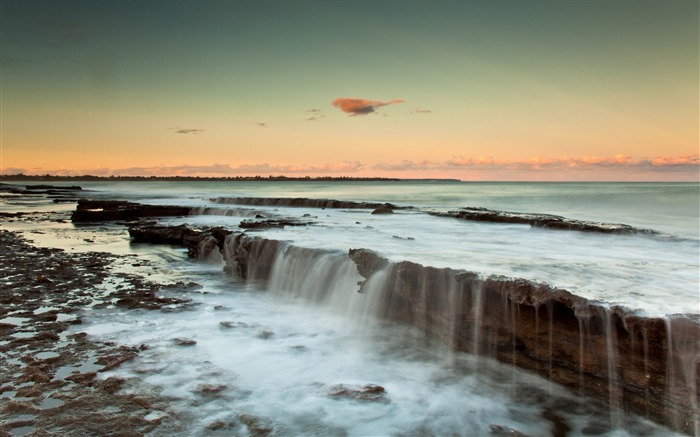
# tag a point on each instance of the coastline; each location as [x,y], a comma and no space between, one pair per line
[154,412]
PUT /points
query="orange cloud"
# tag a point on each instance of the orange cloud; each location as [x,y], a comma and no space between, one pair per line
[354,106]
[683,160]
[619,167]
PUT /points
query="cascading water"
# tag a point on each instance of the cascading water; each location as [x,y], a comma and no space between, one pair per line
[326,278]
[567,339]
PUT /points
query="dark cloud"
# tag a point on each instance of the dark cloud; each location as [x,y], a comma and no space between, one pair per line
[313,110]
[261,124]
[356,106]
[188,131]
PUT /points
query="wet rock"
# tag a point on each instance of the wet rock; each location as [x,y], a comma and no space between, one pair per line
[369,392]
[58,188]
[367,261]
[112,384]
[82,378]
[29,392]
[265,334]
[118,210]
[153,234]
[301,202]
[383,210]
[181,341]
[210,389]
[111,361]
[546,221]
[257,426]
[271,223]
[35,374]
[504,431]
[198,242]
[250,257]
[41,279]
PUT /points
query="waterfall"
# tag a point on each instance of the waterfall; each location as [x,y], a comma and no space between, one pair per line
[647,365]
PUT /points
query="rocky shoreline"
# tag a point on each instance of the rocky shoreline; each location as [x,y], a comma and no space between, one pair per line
[50,380]
[639,364]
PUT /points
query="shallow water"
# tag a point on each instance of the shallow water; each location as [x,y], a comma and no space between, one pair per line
[277,358]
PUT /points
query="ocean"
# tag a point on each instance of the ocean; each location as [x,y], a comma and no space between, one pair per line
[290,346]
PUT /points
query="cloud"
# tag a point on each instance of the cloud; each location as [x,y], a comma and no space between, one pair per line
[12,171]
[689,163]
[342,167]
[407,165]
[316,115]
[188,131]
[419,111]
[355,106]
[261,124]
[617,167]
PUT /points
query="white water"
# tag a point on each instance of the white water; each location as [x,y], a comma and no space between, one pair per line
[289,345]
[655,274]
[283,351]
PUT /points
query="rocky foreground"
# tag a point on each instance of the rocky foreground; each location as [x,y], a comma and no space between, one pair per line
[49,378]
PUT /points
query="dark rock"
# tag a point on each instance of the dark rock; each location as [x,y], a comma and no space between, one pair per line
[112,384]
[251,258]
[197,242]
[369,392]
[210,389]
[546,221]
[301,202]
[503,431]
[265,334]
[271,223]
[115,210]
[53,187]
[383,210]
[257,426]
[65,200]
[367,261]
[181,235]
[82,378]
[180,341]
[111,361]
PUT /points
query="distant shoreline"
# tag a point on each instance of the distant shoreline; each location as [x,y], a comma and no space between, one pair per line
[92,178]
[22,177]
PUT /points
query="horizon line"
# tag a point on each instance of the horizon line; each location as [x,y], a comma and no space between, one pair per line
[279,178]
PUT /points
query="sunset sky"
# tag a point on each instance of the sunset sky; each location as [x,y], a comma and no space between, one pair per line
[497,90]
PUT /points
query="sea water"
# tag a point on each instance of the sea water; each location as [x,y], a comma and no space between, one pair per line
[277,357]
[655,274]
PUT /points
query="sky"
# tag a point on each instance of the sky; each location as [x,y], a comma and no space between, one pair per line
[471,90]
